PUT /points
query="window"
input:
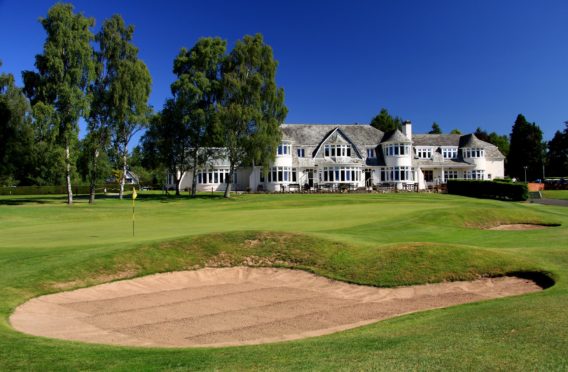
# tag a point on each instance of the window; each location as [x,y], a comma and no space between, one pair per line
[450,174]
[473,153]
[284,149]
[397,149]
[336,150]
[341,174]
[371,153]
[301,153]
[475,175]
[212,176]
[450,152]
[424,152]
[398,174]
[281,174]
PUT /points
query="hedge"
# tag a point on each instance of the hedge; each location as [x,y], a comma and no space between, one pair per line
[489,189]
[59,189]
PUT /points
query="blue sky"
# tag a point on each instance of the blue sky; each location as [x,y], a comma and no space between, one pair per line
[462,64]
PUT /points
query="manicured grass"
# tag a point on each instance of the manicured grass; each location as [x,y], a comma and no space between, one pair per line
[555,194]
[385,240]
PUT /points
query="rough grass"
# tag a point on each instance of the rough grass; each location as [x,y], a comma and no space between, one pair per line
[372,239]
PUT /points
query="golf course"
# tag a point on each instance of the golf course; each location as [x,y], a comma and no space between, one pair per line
[379,240]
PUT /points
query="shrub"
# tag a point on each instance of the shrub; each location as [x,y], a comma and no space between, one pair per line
[489,189]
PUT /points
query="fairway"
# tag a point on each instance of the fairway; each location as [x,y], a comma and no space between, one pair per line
[382,240]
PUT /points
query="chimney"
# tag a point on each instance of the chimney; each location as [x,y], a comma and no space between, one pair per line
[407,129]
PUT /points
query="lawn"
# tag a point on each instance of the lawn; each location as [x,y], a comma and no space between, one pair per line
[383,240]
[555,194]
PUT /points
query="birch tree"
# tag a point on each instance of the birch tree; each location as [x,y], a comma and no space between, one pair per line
[252,108]
[127,85]
[196,94]
[63,73]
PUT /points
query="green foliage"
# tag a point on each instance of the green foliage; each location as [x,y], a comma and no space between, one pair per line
[16,133]
[526,150]
[385,122]
[123,87]
[455,131]
[252,108]
[64,70]
[435,129]
[188,128]
[557,155]
[489,189]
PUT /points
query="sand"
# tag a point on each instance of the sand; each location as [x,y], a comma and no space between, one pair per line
[519,226]
[235,306]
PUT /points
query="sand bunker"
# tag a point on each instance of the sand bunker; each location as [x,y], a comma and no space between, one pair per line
[519,226]
[235,306]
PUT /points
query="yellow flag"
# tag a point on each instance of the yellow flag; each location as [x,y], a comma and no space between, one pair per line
[134,194]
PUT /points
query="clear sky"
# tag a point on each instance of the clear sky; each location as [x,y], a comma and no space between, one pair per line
[462,64]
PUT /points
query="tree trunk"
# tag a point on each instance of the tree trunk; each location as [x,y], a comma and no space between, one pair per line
[194,178]
[178,182]
[68,173]
[124,170]
[93,178]
[229,180]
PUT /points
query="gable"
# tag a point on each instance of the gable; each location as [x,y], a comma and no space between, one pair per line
[336,136]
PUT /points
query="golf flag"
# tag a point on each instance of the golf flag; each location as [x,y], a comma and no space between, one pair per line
[134,194]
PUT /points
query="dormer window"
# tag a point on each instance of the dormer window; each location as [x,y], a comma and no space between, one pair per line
[284,149]
[473,153]
[424,152]
[371,152]
[337,150]
[450,152]
[301,153]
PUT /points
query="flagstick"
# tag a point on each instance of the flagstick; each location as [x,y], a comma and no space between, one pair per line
[132,217]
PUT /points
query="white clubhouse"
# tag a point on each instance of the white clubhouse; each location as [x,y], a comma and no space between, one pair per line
[357,156]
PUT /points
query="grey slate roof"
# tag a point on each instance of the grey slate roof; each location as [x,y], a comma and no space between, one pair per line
[436,139]
[457,140]
[364,135]
[313,134]
[470,140]
[395,137]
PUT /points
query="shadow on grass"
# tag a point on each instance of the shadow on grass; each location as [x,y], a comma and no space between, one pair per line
[83,198]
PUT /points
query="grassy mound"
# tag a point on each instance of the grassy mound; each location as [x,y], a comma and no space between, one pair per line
[386,266]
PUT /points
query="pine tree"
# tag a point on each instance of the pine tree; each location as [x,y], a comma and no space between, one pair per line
[385,122]
[526,150]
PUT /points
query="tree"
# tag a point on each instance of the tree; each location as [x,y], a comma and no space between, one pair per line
[98,121]
[197,92]
[557,155]
[126,84]
[252,108]
[526,150]
[93,162]
[455,131]
[64,70]
[16,135]
[385,122]
[435,129]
